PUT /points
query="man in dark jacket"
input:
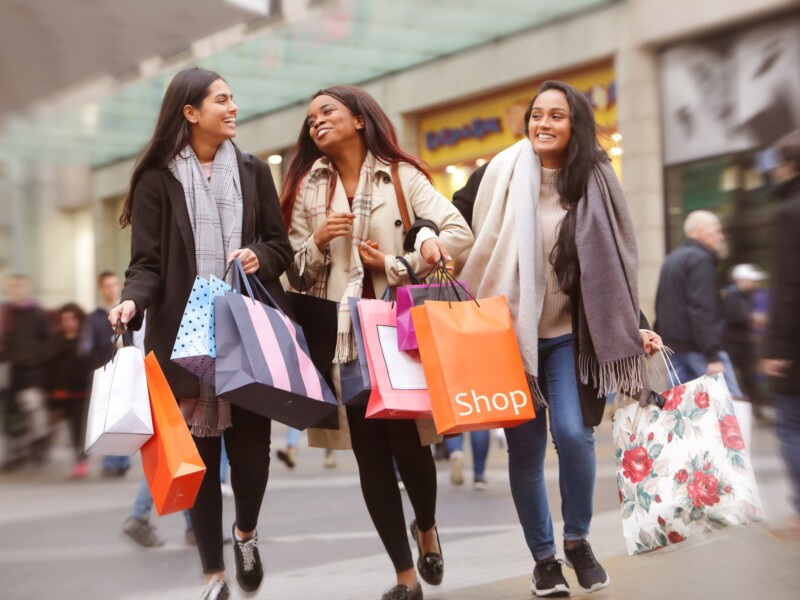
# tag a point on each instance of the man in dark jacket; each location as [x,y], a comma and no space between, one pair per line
[24,343]
[689,313]
[782,352]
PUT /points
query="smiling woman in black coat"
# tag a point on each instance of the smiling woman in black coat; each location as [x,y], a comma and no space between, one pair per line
[196,203]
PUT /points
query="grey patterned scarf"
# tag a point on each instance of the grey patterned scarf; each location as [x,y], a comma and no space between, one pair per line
[215,210]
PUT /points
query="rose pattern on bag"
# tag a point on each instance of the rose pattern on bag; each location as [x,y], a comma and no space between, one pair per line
[681,470]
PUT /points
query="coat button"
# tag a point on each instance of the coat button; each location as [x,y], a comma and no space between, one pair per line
[386,180]
[398,223]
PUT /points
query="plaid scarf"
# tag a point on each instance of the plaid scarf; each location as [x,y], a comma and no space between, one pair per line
[215,211]
[321,184]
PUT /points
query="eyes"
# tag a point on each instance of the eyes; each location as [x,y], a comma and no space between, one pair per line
[555,117]
[326,110]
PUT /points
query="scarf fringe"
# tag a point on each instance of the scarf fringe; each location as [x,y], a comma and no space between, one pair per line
[346,350]
[205,421]
[627,375]
[539,401]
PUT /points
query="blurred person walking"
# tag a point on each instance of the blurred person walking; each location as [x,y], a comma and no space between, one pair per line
[545,239]
[346,231]
[25,338]
[69,373]
[288,455]
[782,351]
[195,203]
[689,314]
[479,444]
[738,337]
[99,338]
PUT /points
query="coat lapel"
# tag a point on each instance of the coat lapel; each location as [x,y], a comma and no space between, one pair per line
[178,200]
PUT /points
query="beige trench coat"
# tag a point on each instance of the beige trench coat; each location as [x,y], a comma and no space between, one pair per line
[385,228]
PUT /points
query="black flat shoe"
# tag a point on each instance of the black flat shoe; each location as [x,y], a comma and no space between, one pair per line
[403,592]
[431,564]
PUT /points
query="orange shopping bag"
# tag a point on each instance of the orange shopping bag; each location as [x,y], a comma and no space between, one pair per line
[172,466]
[472,365]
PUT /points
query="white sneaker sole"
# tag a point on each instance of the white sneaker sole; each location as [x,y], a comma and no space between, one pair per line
[559,590]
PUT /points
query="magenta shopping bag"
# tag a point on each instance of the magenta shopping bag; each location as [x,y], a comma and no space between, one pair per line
[415,295]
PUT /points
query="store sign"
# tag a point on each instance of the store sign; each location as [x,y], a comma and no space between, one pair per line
[477,130]
[484,127]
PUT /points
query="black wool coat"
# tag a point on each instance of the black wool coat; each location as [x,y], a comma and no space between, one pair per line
[163,265]
[783,335]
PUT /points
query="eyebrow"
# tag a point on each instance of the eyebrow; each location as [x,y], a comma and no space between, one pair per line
[323,107]
[554,109]
[223,96]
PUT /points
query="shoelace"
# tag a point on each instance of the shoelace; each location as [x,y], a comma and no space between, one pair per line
[582,557]
[248,549]
[213,589]
[551,565]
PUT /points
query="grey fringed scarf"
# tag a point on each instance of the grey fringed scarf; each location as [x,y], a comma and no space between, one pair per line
[507,258]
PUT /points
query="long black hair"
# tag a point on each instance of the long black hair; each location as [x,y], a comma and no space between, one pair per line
[172,131]
[582,153]
[379,134]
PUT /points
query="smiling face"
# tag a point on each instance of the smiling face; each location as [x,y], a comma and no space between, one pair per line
[215,119]
[549,128]
[332,125]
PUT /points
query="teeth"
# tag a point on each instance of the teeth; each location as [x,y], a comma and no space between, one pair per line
[322,132]
[545,136]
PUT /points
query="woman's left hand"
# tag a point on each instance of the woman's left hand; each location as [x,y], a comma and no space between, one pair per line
[433,250]
[371,257]
[651,341]
[249,260]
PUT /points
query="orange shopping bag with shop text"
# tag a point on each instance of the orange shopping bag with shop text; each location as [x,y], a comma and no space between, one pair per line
[172,465]
[472,365]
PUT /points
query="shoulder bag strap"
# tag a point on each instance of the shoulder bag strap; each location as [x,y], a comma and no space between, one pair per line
[401,198]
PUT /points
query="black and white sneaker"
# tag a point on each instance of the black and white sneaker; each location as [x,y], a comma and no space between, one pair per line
[548,580]
[591,574]
[249,572]
[216,589]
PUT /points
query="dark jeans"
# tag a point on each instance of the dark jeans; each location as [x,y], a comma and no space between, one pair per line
[247,444]
[375,443]
[787,426]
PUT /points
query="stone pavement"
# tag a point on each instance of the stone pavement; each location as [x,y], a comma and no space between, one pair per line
[60,539]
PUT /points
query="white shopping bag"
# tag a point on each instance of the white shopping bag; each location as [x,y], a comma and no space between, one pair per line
[119,410]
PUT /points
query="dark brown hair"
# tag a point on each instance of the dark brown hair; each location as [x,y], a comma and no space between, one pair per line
[172,131]
[582,153]
[379,134]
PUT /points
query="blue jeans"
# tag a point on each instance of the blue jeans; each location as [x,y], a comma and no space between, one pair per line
[116,462]
[479,441]
[574,443]
[143,504]
[787,427]
[691,365]
[292,437]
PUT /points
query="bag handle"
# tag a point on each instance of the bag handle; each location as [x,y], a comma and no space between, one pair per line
[412,275]
[401,198]
[450,279]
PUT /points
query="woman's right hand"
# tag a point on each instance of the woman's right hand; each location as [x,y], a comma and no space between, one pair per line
[121,314]
[336,225]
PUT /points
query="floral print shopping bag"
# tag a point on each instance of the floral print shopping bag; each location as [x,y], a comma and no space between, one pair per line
[681,470]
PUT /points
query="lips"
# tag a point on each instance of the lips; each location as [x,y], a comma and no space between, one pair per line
[322,132]
[545,137]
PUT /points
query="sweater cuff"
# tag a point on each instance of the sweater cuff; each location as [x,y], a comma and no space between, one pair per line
[425,234]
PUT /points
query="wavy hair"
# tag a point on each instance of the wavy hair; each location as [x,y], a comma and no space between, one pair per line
[172,131]
[582,154]
[379,134]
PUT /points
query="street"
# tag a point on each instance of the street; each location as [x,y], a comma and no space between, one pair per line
[63,539]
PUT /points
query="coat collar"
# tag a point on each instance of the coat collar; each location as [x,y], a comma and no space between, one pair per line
[178,201]
[323,164]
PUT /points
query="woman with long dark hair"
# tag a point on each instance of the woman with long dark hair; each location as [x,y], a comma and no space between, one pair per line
[69,380]
[553,233]
[346,230]
[195,203]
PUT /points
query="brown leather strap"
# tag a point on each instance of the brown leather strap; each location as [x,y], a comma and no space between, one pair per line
[401,199]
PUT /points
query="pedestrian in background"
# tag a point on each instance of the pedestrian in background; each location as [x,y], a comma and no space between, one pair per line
[545,238]
[69,373]
[782,352]
[99,338]
[689,314]
[196,203]
[346,231]
[25,340]
[738,337]
[479,443]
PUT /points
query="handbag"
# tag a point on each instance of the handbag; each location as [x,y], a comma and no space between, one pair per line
[681,469]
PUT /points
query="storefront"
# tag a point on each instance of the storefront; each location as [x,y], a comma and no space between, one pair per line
[724,100]
[458,138]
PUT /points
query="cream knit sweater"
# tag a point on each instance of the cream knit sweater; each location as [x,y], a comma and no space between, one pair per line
[555,319]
